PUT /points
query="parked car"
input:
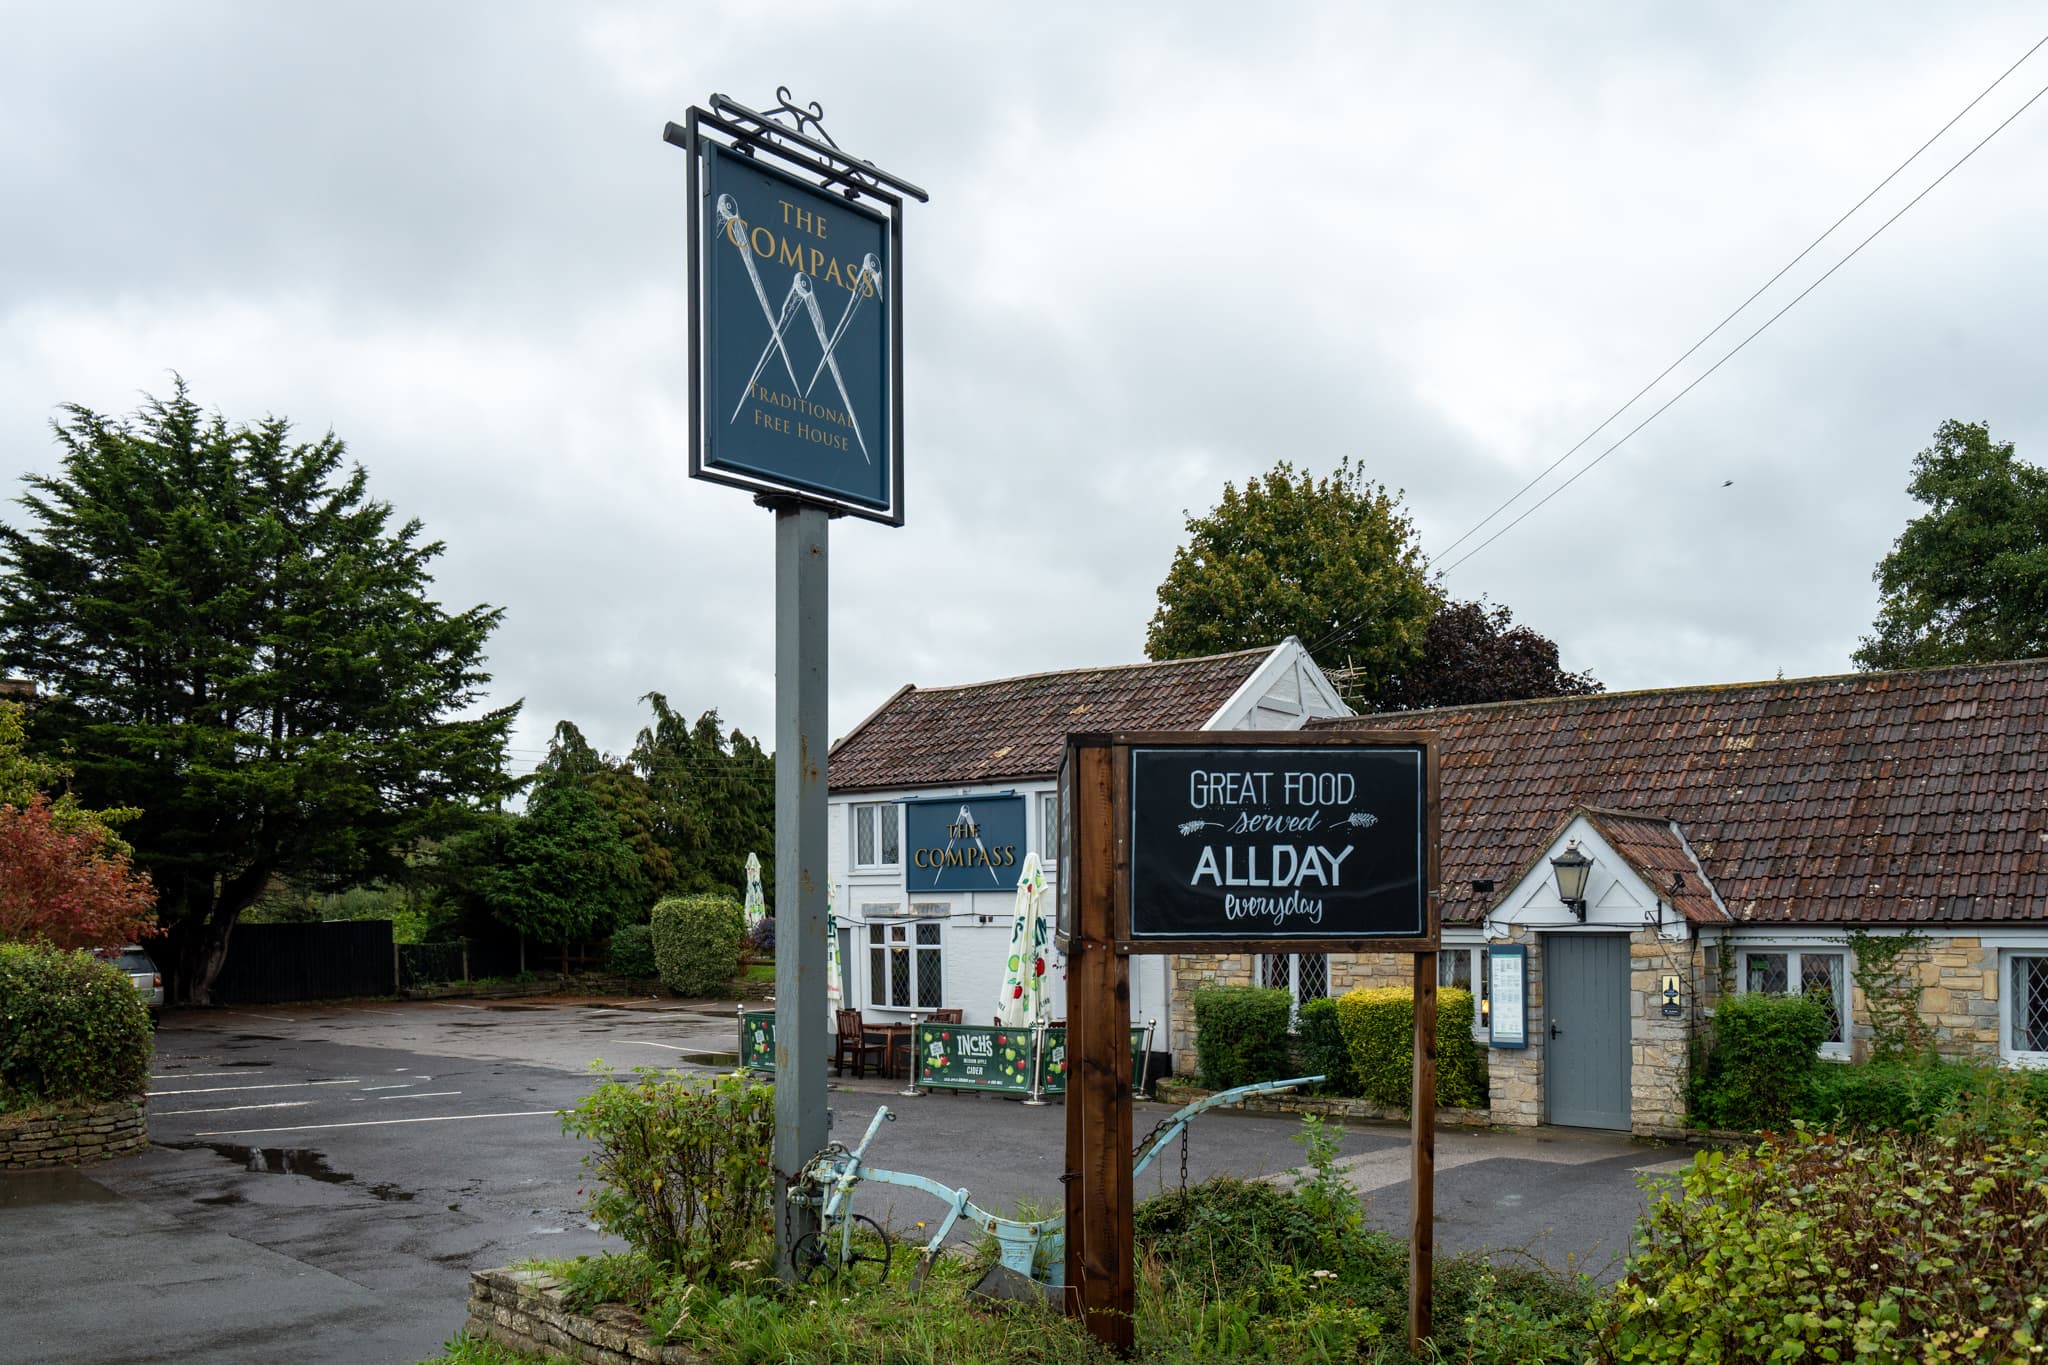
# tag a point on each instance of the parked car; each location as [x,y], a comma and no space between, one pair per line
[141,969]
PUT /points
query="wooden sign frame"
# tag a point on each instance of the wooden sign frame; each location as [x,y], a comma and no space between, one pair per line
[1094,928]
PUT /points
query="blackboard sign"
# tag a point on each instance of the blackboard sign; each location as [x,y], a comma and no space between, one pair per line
[1281,843]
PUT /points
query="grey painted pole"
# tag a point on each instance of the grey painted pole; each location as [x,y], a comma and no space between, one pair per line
[801,640]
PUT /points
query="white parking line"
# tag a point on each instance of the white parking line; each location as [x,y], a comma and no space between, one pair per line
[422,1095]
[396,1085]
[252,1014]
[694,1051]
[275,1085]
[231,1108]
[195,1075]
[382,1123]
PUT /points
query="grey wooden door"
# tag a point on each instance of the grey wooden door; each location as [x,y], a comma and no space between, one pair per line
[1586,1033]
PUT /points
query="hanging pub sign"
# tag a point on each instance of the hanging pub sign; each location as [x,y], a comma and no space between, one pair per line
[796,312]
[1284,840]
[963,843]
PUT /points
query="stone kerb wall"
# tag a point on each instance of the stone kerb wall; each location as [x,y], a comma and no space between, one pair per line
[72,1137]
[522,1310]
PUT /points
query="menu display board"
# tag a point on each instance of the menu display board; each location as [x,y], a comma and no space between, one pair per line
[1323,842]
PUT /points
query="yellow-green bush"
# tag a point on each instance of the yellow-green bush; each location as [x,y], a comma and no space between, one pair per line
[1379,1028]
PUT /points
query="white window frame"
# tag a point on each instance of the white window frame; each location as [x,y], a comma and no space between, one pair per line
[1048,829]
[915,938]
[1482,984]
[2009,1050]
[1792,952]
[1294,975]
[881,832]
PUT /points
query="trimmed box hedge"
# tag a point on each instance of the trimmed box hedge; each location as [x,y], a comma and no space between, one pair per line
[1241,1035]
[697,943]
[1379,1028]
[72,1029]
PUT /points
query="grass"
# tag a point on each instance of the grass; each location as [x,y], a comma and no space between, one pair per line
[1227,1271]
[759,971]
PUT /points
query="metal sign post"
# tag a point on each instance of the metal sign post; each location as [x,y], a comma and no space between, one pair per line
[1240,843]
[796,395]
[801,738]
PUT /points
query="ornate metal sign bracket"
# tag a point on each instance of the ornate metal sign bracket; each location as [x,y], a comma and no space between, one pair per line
[796,133]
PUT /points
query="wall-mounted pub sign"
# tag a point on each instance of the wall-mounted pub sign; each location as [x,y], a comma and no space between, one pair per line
[1317,840]
[963,843]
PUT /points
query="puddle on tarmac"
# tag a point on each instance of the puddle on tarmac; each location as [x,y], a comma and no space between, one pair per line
[286,1161]
[25,1189]
[713,1058]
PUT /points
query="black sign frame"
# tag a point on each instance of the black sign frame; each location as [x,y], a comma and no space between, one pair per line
[824,170]
[1147,939]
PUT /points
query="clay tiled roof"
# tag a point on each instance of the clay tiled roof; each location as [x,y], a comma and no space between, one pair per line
[1015,727]
[17,689]
[1873,798]
[1658,851]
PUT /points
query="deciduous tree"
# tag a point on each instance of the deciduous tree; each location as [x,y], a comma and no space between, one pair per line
[1967,580]
[237,639]
[66,886]
[1475,653]
[1331,561]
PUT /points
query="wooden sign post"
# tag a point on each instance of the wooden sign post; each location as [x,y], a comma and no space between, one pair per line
[1246,842]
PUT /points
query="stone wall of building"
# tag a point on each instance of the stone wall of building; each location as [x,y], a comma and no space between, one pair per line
[72,1137]
[1959,997]
[1660,1045]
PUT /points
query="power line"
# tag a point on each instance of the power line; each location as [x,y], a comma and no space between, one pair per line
[1743,306]
[1588,466]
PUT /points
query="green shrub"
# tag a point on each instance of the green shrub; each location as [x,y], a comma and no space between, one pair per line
[1920,1095]
[697,943]
[1241,1035]
[632,951]
[1319,1043]
[72,1029]
[1761,1068]
[1810,1247]
[1379,1029]
[1252,1270]
[682,1167]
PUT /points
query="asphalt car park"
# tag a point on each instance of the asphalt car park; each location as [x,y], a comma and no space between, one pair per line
[322,1180]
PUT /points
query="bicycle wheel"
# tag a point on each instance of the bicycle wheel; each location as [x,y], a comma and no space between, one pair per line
[807,1257]
[816,1254]
[867,1261]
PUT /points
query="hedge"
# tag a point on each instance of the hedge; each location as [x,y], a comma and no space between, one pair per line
[72,1029]
[1761,1067]
[1813,1247]
[632,951]
[1241,1035]
[1319,1043]
[1379,1028]
[697,943]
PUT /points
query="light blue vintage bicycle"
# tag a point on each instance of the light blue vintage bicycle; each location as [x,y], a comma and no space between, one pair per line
[856,1247]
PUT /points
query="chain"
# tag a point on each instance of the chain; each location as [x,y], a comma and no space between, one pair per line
[1183,1163]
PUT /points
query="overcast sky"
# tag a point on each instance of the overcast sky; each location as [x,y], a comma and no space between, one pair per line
[1165,247]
